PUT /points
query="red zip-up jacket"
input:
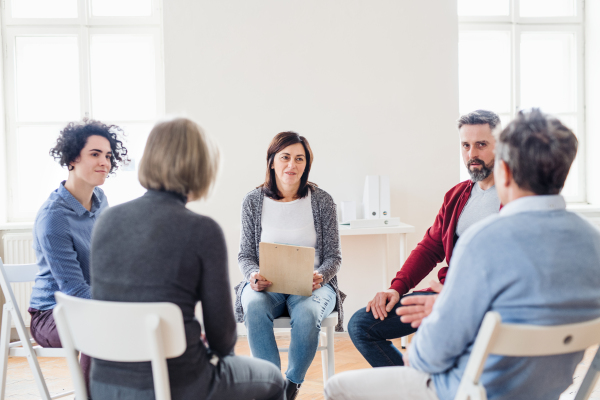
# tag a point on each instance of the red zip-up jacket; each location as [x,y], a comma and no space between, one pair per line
[437,243]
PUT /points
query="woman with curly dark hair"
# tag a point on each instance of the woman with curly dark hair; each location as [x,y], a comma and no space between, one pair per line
[63,226]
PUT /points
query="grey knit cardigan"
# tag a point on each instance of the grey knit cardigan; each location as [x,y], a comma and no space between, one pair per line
[328,244]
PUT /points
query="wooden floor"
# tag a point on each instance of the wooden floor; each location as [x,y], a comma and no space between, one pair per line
[20,383]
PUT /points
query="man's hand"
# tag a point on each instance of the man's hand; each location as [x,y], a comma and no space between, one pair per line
[405,359]
[258,283]
[415,308]
[382,303]
[317,280]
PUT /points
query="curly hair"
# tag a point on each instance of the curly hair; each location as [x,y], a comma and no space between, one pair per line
[74,136]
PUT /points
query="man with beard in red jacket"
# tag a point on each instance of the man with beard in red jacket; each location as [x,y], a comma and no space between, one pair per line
[465,204]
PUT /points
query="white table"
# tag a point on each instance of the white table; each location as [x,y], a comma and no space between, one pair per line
[392,233]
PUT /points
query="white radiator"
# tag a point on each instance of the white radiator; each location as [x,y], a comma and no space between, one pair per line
[18,250]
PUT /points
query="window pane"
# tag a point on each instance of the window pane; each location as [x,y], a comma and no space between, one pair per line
[548,71]
[44,8]
[123,77]
[484,65]
[571,188]
[124,185]
[547,8]
[47,70]
[121,8]
[36,172]
[483,8]
[505,120]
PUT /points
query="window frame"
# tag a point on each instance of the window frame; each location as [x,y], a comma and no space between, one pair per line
[82,28]
[517,26]
[85,17]
[576,19]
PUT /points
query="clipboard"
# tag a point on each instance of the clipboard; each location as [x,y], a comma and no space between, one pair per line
[289,268]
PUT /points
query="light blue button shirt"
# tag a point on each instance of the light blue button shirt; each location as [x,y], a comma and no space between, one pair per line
[534,263]
[62,235]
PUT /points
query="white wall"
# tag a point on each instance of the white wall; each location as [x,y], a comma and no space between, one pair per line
[592,100]
[373,85]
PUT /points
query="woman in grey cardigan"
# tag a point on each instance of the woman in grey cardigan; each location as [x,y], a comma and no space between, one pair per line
[289,209]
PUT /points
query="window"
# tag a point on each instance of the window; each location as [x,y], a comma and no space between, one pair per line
[518,54]
[69,59]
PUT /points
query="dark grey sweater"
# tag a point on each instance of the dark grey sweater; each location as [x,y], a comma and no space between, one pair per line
[153,249]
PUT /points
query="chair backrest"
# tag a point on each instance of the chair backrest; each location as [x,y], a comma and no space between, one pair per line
[520,340]
[117,331]
[285,322]
[535,340]
[120,331]
[15,273]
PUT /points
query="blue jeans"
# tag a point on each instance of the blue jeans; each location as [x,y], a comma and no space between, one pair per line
[371,336]
[306,313]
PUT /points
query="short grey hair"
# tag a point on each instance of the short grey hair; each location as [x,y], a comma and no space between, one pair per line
[480,117]
[179,157]
[538,150]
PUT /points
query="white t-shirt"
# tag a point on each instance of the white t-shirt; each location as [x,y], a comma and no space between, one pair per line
[481,204]
[289,223]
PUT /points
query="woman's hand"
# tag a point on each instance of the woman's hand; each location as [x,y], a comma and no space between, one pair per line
[258,283]
[317,280]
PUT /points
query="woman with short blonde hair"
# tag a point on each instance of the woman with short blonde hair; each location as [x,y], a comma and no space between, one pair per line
[153,249]
[179,158]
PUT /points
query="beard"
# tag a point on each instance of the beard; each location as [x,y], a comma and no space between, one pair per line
[480,174]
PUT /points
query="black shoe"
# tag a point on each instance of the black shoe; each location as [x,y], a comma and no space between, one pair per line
[291,390]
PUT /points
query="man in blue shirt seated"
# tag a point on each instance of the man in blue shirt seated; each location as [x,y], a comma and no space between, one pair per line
[534,263]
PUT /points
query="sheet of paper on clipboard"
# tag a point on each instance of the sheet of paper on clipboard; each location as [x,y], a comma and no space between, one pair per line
[289,268]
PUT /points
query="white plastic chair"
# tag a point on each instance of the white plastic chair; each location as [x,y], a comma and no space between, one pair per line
[326,348]
[519,340]
[24,347]
[122,332]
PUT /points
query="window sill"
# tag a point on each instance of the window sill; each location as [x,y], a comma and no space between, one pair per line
[592,210]
[588,210]
[12,226]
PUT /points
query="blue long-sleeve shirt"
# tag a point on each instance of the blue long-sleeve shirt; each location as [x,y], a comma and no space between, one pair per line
[534,263]
[62,235]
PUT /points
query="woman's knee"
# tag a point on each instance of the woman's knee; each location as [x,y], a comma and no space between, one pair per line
[257,309]
[43,330]
[256,377]
[272,374]
[307,318]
